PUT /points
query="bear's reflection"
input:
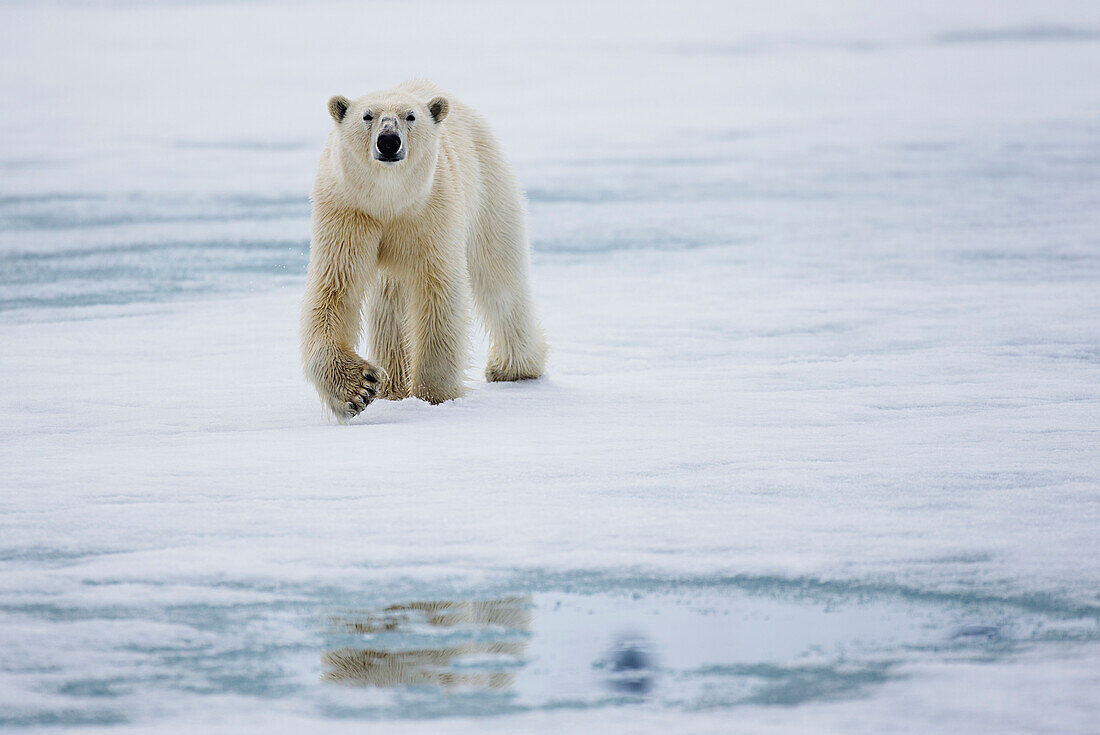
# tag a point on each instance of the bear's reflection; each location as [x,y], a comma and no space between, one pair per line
[482,660]
[508,612]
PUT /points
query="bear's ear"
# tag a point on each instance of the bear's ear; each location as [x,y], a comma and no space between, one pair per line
[439,107]
[338,107]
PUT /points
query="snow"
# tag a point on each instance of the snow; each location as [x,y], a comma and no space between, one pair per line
[822,289]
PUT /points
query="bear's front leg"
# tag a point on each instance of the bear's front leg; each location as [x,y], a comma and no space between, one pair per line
[440,320]
[343,255]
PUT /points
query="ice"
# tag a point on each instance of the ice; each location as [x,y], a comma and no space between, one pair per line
[820,424]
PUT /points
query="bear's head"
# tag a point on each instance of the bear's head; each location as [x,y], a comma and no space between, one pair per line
[389,131]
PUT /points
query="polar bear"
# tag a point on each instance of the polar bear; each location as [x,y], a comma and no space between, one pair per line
[414,208]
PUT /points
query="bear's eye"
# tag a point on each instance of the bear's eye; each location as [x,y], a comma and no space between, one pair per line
[410,117]
[368,117]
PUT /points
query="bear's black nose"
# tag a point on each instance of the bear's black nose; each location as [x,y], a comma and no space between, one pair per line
[389,144]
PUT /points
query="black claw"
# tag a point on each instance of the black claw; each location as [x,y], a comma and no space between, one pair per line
[370,391]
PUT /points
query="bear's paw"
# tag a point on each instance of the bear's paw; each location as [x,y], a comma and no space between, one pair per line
[349,385]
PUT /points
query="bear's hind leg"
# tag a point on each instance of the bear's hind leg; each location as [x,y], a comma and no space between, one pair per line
[389,349]
[499,279]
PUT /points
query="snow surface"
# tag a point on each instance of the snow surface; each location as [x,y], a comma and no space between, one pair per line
[822,417]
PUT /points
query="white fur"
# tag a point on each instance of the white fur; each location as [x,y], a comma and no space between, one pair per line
[415,238]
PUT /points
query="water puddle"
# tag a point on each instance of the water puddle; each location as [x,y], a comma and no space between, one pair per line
[684,648]
[526,643]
